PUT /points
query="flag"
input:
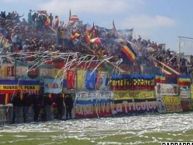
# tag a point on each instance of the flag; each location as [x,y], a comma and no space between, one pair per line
[81,79]
[53,86]
[75,35]
[90,80]
[93,32]
[73,19]
[101,82]
[70,14]
[47,21]
[128,51]
[96,41]
[91,36]
[87,37]
[114,30]
[70,79]
[166,69]
[185,81]
[160,79]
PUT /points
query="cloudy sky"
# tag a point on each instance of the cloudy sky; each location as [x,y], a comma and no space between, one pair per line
[159,20]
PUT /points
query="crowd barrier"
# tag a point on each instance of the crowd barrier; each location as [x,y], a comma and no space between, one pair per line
[6,114]
[22,114]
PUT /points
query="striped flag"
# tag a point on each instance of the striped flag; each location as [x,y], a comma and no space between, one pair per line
[166,69]
[72,18]
[160,79]
[128,51]
[184,81]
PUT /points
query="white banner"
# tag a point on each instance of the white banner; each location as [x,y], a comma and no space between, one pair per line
[83,95]
[167,89]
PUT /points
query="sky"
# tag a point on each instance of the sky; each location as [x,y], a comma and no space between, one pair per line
[161,21]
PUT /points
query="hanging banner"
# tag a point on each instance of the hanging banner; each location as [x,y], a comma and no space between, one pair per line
[125,107]
[167,89]
[186,104]
[70,79]
[93,104]
[133,94]
[51,73]
[101,82]
[184,81]
[132,82]
[10,86]
[1,72]
[185,92]
[18,87]
[94,95]
[53,86]
[172,103]
[192,92]
[21,71]
[81,79]
[8,71]
[90,80]
[45,72]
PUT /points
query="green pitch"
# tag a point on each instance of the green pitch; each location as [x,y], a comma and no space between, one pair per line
[60,138]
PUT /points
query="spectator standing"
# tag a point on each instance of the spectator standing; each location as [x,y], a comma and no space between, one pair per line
[60,106]
[30,20]
[56,22]
[16,101]
[51,19]
[69,106]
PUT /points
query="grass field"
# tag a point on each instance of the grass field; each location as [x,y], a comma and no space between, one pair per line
[59,138]
[132,130]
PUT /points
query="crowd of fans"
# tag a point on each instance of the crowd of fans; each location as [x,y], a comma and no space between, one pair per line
[45,32]
[22,36]
[147,49]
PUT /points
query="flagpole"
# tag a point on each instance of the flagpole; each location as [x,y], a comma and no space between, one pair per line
[179,47]
[15,67]
[179,51]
